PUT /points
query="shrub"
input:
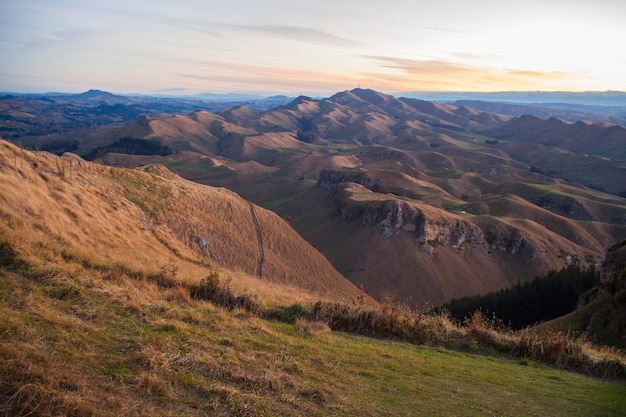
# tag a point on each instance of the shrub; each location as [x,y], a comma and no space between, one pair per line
[436,328]
[607,368]
[488,332]
[210,289]
[167,276]
[551,347]
[390,320]
[9,259]
[287,314]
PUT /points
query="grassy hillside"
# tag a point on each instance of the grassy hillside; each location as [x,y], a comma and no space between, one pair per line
[151,220]
[109,306]
[85,341]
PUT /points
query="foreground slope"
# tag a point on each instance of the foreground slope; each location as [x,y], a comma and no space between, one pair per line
[153,220]
[90,344]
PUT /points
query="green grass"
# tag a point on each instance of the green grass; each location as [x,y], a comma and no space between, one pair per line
[198,164]
[498,206]
[142,192]
[446,174]
[98,342]
[401,380]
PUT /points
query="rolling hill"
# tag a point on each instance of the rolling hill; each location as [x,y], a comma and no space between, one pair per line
[136,292]
[421,200]
[23,116]
[151,220]
[565,111]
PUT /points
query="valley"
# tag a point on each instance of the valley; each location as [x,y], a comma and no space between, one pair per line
[415,199]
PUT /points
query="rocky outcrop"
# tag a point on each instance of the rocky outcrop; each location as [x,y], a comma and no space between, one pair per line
[606,303]
[392,216]
[613,272]
[431,227]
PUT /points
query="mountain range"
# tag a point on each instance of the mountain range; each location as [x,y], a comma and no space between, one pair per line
[26,115]
[419,200]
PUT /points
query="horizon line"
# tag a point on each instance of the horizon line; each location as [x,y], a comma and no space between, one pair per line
[278,93]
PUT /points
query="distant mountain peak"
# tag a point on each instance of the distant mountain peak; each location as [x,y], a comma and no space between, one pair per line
[96,96]
[92,92]
[364,96]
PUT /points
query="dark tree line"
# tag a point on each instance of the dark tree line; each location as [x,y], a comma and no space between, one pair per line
[130,146]
[544,298]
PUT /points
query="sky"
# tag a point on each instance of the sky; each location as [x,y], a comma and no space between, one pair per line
[313,47]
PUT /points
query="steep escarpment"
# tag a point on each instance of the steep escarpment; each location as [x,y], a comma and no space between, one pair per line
[430,255]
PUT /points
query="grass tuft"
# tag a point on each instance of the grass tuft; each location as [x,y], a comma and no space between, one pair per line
[311,327]
[210,289]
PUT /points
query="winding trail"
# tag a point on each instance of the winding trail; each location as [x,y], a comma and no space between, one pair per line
[260,240]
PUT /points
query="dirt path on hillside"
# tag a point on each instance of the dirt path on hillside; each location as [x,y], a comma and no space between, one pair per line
[260,239]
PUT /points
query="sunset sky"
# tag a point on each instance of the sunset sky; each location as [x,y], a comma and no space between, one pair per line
[311,47]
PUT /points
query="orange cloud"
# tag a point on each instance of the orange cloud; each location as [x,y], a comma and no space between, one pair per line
[230,77]
[396,74]
[440,75]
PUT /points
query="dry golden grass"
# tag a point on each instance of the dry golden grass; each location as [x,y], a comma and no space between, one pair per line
[477,333]
[55,209]
[80,339]
[311,327]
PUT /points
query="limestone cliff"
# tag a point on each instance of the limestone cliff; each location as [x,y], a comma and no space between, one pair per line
[433,254]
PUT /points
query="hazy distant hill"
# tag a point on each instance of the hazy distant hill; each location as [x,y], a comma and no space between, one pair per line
[586,98]
[424,200]
[579,137]
[563,111]
[23,116]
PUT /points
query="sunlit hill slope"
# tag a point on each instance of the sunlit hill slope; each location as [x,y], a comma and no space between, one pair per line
[151,219]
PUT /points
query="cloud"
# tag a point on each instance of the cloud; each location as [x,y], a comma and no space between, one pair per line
[195,26]
[302,34]
[449,75]
[233,77]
